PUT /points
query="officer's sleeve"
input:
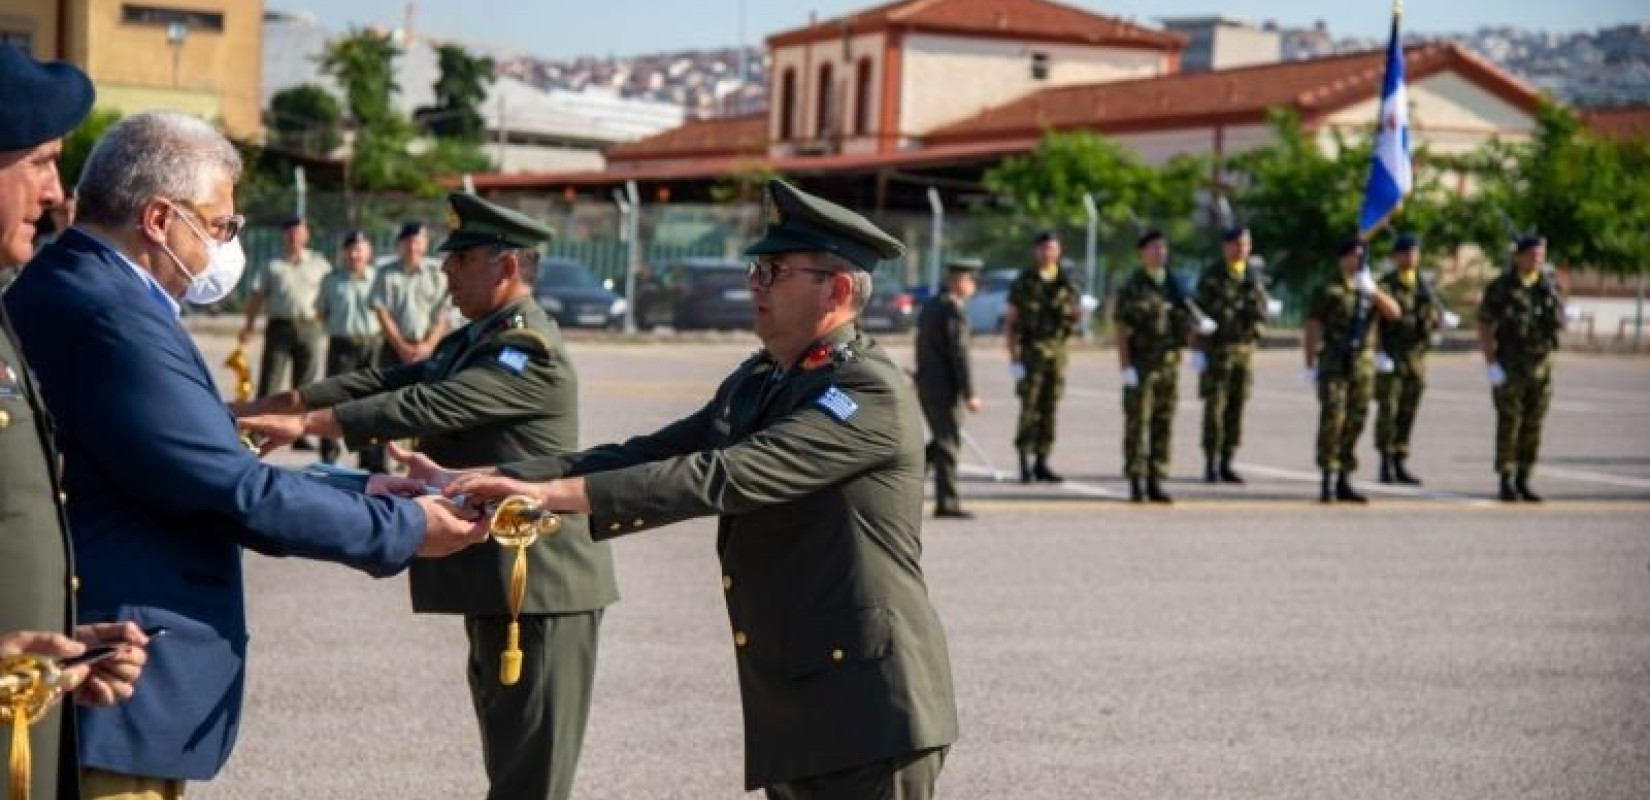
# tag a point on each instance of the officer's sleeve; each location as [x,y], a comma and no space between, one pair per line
[1489,307]
[1316,309]
[506,379]
[956,333]
[358,384]
[850,428]
[687,435]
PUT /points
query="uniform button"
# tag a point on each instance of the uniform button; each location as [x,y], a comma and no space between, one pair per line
[372,442]
[739,638]
[636,523]
[837,655]
[727,583]
[74,583]
[5,419]
[62,497]
[614,527]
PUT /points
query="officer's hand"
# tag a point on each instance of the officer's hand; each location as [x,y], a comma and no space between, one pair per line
[1496,375]
[1364,283]
[1017,371]
[1274,307]
[1206,326]
[974,404]
[1384,363]
[244,336]
[1451,320]
[1200,362]
[448,528]
[277,430]
[396,486]
[1131,378]
[112,680]
[422,468]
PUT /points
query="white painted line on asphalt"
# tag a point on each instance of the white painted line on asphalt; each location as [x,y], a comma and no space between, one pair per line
[1075,487]
[1368,488]
[1593,477]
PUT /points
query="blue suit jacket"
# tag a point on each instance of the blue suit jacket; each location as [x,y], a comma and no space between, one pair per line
[162,496]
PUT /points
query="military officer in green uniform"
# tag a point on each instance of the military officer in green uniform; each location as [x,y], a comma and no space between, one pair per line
[36,561]
[1234,299]
[945,383]
[1153,322]
[499,389]
[811,455]
[1340,363]
[1042,313]
[1519,320]
[1401,364]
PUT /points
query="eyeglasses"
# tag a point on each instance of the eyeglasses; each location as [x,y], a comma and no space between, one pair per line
[764,273]
[223,228]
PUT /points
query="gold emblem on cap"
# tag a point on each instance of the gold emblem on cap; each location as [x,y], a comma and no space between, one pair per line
[770,211]
[453,222]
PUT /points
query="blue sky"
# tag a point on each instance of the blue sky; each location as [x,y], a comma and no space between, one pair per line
[560,28]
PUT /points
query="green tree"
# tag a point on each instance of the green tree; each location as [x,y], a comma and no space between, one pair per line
[459,93]
[307,119]
[77,146]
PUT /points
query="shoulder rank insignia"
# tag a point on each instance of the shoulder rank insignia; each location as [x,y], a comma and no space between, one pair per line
[838,404]
[512,359]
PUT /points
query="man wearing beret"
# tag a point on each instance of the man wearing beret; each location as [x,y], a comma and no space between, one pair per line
[1235,300]
[945,385]
[1042,313]
[409,296]
[1153,322]
[39,104]
[810,454]
[499,389]
[344,307]
[1340,363]
[286,290]
[1401,365]
[1519,320]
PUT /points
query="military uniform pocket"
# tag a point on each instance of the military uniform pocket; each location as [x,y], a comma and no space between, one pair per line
[823,641]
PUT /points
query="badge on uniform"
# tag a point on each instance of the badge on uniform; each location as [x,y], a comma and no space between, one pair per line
[513,359]
[838,404]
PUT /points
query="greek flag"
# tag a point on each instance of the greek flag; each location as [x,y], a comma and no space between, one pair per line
[1390,174]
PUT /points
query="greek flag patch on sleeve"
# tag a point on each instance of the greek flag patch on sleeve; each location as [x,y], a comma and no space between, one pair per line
[513,359]
[838,404]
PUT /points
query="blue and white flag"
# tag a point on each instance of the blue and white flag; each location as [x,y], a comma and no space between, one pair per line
[1390,173]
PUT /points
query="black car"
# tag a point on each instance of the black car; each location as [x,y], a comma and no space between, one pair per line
[701,293]
[891,308]
[570,293]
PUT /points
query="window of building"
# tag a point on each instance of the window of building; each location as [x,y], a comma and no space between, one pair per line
[1039,66]
[822,114]
[22,40]
[787,106]
[862,98]
[153,15]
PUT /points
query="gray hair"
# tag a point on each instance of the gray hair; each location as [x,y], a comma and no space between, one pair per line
[527,261]
[155,154]
[859,279]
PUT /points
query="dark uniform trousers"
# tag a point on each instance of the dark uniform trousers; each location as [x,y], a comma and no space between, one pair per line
[289,343]
[1039,391]
[911,777]
[1520,409]
[945,420]
[1398,397]
[1343,406]
[1148,419]
[1227,379]
[346,354]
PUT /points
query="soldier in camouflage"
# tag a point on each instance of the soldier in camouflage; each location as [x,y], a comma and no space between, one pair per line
[1223,359]
[1519,321]
[1042,314]
[1340,362]
[1401,365]
[1153,321]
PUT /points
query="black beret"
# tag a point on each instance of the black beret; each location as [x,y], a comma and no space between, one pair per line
[289,222]
[1147,238]
[409,229]
[1044,237]
[353,238]
[1348,246]
[39,102]
[1234,233]
[1406,241]
[1528,242]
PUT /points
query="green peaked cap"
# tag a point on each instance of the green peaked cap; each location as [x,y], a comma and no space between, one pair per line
[798,221]
[473,222]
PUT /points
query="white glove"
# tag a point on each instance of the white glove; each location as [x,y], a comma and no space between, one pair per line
[1497,375]
[1017,371]
[1200,362]
[1571,313]
[1310,374]
[1364,283]
[1088,303]
[1206,326]
[1274,307]
[1384,363]
[1131,378]
[1452,320]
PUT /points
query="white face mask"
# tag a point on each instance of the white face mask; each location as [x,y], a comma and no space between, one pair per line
[224,265]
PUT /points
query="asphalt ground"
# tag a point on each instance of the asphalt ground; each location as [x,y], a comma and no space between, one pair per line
[1245,643]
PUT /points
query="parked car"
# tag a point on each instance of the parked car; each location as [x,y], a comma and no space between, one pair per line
[694,293]
[569,292]
[990,301]
[891,308]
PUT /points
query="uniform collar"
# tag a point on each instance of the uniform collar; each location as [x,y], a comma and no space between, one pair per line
[492,321]
[1407,277]
[1237,268]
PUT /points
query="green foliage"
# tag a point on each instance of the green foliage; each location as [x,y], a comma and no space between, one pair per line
[306,119]
[77,146]
[459,93]
[744,185]
[364,64]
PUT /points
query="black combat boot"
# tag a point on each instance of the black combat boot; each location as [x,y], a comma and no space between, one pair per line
[1386,468]
[1525,493]
[1041,471]
[1137,493]
[1211,473]
[1401,474]
[1508,493]
[1025,467]
[1226,473]
[1326,490]
[1344,491]
[1155,493]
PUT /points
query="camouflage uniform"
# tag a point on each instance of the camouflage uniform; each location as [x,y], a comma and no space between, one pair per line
[1237,303]
[1525,321]
[1045,317]
[1346,374]
[1158,321]
[1405,340]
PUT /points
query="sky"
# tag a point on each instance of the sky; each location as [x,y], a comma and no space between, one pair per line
[560,29]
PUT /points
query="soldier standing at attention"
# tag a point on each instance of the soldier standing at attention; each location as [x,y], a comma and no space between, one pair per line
[1153,323]
[1519,320]
[1340,362]
[1042,314]
[344,307]
[944,385]
[499,389]
[1401,366]
[286,290]
[410,298]
[1224,359]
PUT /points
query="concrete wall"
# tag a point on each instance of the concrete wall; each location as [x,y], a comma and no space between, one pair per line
[1447,113]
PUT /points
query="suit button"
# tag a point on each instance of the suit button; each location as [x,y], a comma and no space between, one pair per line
[837,655]
[727,583]
[5,419]
[739,638]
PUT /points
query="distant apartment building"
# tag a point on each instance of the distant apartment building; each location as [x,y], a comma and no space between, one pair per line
[1220,42]
[200,56]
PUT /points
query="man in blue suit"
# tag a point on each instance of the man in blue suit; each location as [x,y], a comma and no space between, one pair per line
[162,495]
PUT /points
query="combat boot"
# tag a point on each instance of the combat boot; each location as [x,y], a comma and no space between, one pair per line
[1041,471]
[1155,493]
[1508,493]
[1211,474]
[1326,490]
[1025,467]
[1401,474]
[1386,468]
[1525,493]
[1344,492]
[1226,473]
[1137,494]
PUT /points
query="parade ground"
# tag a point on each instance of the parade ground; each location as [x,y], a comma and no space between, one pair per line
[1245,643]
